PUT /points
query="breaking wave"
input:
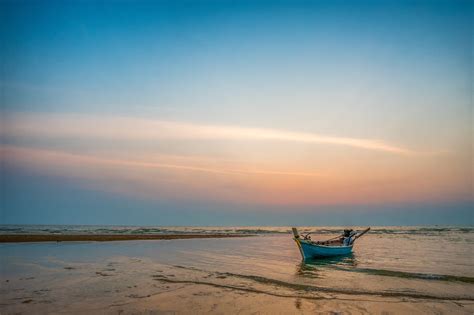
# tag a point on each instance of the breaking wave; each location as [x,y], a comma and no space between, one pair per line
[88,229]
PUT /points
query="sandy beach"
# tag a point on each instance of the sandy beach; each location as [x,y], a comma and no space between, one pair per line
[19,238]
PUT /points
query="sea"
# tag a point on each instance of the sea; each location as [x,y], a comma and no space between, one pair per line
[428,268]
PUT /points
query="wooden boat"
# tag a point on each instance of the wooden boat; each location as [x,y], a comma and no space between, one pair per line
[340,245]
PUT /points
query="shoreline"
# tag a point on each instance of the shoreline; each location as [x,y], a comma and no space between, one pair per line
[30,238]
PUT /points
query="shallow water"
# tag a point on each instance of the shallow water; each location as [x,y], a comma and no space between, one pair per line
[398,264]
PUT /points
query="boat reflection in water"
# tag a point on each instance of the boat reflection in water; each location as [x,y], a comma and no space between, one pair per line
[312,268]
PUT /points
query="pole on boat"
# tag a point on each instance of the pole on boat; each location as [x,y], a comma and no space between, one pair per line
[295,232]
[360,234]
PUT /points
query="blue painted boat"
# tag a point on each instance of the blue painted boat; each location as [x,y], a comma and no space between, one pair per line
[340,245]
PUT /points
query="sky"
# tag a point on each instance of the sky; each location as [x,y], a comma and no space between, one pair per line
[236,112]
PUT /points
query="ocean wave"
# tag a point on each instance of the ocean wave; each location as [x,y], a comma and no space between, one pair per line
[78,229]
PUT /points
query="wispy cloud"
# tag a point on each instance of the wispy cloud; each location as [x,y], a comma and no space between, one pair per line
[187,178]
[156,179]
[122,128]
[52,156]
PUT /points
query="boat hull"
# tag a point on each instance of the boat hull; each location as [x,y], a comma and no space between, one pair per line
[310,250]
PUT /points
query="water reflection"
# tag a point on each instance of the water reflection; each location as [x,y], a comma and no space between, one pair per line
[313,268]
[346,260]
[298,303]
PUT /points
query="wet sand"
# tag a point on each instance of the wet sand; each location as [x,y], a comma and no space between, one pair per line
[19,238]
[140,286]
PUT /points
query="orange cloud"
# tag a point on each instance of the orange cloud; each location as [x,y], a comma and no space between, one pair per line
[169,178]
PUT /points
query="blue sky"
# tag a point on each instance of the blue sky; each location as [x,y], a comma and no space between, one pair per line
[237,112]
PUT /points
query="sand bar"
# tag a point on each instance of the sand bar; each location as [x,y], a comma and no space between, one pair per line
[21,238]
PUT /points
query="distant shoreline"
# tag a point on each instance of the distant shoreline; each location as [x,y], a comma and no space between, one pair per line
[26,238]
